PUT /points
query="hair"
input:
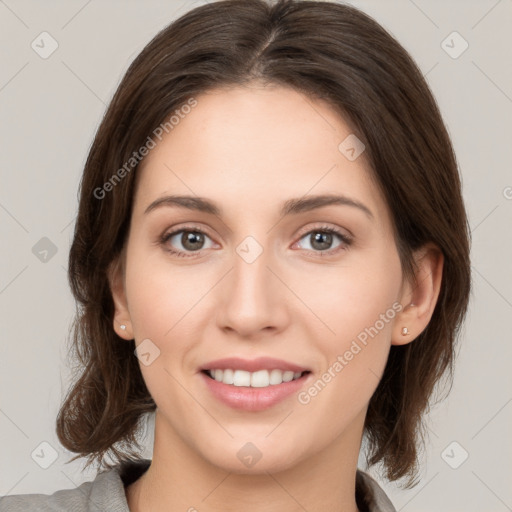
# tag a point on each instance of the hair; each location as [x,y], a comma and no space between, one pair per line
[326,51]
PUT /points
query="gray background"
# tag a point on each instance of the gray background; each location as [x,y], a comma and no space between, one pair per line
[50,109]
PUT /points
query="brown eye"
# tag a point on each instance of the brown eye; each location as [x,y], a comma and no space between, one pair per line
[321,240]
[185,241]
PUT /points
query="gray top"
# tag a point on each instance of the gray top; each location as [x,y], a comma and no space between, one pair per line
[106,493]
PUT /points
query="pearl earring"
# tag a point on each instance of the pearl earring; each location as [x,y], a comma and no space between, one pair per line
[405,331]
[123,327]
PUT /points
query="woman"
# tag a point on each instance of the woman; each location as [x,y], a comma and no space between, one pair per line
[271,253]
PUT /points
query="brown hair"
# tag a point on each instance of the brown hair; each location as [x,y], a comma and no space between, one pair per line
[324,50]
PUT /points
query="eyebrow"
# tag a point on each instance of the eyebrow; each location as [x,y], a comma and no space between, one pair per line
[289,207]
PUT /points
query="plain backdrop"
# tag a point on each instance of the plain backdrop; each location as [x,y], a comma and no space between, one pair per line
[49,110]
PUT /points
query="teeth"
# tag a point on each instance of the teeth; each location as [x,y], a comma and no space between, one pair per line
[259,379]
[276,377]
[240,378]
[228,376]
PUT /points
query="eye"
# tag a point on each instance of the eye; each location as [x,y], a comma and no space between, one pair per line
[321,239]
[191,240]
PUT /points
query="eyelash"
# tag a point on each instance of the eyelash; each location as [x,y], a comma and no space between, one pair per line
[345,239]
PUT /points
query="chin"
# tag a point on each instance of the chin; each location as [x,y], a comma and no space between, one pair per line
[259,456]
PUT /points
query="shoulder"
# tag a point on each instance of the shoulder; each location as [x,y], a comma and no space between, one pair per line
[63,500]
[105,492]
[370,495]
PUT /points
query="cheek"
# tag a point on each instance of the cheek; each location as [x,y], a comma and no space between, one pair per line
[163,299]
[357,312]
[166,305]
[351,300]
[164,308]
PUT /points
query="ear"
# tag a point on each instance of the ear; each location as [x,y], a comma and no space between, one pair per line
[122,322]
[419,295]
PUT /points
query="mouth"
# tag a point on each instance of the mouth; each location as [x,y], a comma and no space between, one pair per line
[253,385]
[258,379]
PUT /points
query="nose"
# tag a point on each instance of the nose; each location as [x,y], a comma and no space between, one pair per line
[253,300]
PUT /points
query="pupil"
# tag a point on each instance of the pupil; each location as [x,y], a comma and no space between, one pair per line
[324,239]
[192,240]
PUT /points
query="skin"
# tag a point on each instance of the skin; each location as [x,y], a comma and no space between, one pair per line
[249,149]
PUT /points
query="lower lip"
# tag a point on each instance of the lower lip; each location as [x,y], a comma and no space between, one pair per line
[253,399]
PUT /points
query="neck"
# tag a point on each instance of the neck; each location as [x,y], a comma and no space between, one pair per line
[180,479]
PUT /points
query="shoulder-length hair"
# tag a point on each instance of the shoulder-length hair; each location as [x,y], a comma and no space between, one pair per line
[324,50]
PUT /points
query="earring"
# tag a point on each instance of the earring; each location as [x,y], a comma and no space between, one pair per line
[405,331]
[123,327]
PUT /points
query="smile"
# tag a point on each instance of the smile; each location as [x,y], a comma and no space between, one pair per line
[258,379]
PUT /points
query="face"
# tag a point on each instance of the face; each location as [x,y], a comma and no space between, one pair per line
[270,278]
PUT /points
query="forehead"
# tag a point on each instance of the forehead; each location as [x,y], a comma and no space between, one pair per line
[259,144]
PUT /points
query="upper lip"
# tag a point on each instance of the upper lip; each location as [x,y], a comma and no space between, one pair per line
[252,365]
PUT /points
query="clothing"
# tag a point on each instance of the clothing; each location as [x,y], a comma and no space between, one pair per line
[106,493]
